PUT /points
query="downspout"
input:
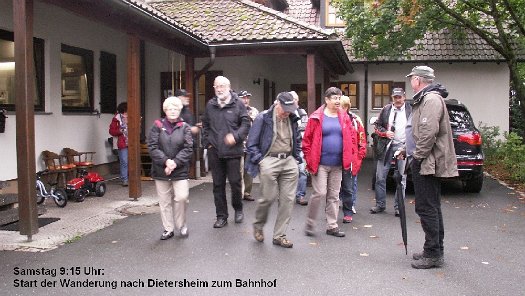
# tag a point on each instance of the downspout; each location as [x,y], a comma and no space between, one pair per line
[196,84]
[366,100]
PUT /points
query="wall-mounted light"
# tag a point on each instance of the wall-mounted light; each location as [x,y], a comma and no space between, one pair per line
[257,81]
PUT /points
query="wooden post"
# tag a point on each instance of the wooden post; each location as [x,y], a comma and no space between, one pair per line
[25,116]
[310,80]
[134,162]
[189,64]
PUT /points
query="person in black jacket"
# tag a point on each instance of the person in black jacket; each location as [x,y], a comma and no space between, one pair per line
[170,146]
[225,126]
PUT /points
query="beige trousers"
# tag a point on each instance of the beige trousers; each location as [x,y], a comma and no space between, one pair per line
[326,185]
[173,202]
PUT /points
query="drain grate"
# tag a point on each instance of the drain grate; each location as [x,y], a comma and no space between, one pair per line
[41,223]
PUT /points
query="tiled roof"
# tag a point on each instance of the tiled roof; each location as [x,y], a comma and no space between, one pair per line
[437,46]
[441,47]
[235,21]
[303,10]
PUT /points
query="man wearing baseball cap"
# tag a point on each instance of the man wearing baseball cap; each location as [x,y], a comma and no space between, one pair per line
[273,153]
[247,180]
[390,129]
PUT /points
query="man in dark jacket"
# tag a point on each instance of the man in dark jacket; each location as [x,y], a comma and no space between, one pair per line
[225,127]
[272,146]
[390,126]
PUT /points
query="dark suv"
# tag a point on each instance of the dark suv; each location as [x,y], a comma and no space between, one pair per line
[467,143]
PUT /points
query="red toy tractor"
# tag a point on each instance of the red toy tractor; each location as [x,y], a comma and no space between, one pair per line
[88,182]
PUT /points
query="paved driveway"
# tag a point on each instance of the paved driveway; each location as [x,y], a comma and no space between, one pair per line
[484,243]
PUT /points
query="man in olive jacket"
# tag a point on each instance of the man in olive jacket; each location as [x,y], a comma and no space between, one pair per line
[225,126]
[434,157]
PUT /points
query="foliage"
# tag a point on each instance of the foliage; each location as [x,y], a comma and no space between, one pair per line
[509,152]
[388,28]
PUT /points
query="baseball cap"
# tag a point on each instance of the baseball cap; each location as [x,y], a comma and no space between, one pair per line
[182,93]
[422,71]
[287,102]
[244,93]
[398,92]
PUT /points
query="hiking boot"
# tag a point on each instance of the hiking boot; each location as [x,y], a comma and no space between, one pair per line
[396,213]
[301,201]
[283,242]
[417,256]
[426,263]
[335,232]
[248,197]
[376,209]
[258,234]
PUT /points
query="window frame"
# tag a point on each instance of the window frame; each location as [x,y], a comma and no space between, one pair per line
[327,13]
[39,66]
[356,95]
[88,57]
[383,95]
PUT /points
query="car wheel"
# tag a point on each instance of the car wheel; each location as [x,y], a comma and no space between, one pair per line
[473,185]
[100,189]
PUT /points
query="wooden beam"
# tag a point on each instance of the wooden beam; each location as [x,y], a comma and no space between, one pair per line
[189,64]
[326,79]
[134,162]
[25,116]
[310,81]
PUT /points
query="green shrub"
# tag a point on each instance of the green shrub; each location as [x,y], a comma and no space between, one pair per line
[510,151]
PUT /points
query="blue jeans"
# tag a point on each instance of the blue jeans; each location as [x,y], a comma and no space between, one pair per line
[123,159]
[354,191]
[347,192]
[382,169]
[301,184]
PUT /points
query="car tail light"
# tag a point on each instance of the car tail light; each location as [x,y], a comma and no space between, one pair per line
[473,138]
[470,162]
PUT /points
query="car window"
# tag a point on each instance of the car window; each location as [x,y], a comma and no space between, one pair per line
[459,117]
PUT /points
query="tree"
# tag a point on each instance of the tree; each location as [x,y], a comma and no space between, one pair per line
[388,28]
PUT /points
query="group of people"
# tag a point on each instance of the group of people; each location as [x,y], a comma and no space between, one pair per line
[282,144]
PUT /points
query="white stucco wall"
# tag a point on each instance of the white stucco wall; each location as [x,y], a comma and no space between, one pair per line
[53,129]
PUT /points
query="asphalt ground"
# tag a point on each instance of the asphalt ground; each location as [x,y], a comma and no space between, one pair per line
[484,243]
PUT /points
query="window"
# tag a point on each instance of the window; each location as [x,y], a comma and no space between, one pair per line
[351,89]
[77,79]
[381,92]
[7,71]
[331,18]
[108,83]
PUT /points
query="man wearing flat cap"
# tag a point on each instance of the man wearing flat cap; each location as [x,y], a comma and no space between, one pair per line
[431,148]
[390,129]
[273,153]
[247,180]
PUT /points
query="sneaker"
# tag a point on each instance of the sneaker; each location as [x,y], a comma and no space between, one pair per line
[376,209]
[353,210]
[301,201]
[396,213]
[125,183]
[184,231]
[335,232]
[166,235]
[426,263]
[283,242]
[258,234]
[347,219]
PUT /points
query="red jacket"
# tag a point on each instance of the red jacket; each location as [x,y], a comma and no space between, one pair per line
[313,140]
[360,140]
[116,131]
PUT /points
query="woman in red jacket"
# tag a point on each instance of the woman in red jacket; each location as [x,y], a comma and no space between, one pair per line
[328,149]
[119,130]
[348,192]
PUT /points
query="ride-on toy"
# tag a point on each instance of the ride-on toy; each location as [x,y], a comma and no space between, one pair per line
[88,182]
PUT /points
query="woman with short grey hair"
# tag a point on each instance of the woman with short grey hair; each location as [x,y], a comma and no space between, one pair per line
[170,145]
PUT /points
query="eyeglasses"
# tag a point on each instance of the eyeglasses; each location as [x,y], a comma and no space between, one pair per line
[335,97]
[221,86]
